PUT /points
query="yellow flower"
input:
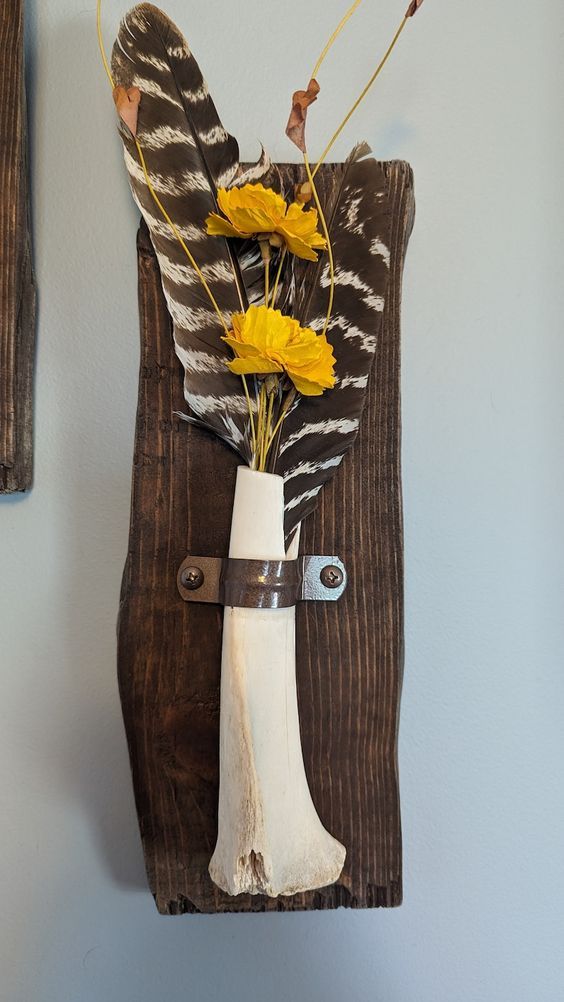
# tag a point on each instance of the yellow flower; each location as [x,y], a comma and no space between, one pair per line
[254,209]
[264,340]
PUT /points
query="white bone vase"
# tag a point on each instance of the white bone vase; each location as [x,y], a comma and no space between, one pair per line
[270,838]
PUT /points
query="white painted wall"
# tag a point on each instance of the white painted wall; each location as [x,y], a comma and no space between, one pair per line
[473,100]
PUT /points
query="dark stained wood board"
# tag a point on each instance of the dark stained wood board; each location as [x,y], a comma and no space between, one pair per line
[17,288]
[349,654]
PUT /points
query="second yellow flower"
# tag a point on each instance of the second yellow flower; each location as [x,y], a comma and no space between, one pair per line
[265,340]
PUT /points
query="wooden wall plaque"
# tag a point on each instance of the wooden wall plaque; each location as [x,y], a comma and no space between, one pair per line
[17,288]
[350,653]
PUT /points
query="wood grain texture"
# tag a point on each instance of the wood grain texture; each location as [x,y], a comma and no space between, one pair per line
[17,288]
[350,654]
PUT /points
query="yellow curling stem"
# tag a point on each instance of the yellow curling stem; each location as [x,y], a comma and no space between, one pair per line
[363,94]
[101,42]
[346,17]
[334,37]
[311,174]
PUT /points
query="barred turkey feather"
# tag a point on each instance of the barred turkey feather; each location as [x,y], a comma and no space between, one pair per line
[319,432]
[189,155]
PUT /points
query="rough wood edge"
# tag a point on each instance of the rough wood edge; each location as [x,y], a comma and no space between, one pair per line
[17,284]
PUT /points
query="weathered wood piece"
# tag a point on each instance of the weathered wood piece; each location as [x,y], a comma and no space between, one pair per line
[349,654]
[17,288]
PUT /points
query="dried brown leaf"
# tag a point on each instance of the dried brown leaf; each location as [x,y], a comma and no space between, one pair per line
[127,101]
[301,100]
[413,8]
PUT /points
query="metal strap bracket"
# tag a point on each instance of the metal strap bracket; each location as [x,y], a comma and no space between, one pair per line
[261,584]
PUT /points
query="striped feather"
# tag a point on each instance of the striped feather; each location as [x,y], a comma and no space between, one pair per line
[320,430]
[189,155]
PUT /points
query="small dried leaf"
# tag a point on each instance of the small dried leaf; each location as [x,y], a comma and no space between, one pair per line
[413,8]
[301,100]
[127,106]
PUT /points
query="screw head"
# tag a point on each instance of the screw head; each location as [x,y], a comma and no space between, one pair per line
[192,578]
[331,576]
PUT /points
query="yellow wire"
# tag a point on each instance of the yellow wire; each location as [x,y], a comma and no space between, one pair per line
[325,229]
[311,174]
[363,94]
[334,37]
[101,42]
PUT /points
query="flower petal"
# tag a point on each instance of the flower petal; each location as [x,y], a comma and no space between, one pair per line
[252,208]
[299,229]
[258,365]
[307,388]
[241,349]
[299,248]
[217,226]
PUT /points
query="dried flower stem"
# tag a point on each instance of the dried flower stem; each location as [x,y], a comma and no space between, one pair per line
[251,414]
[334,37]
[267,397]
[265,254]
[362,95]
[283,415]
[101,43]
[267,428]
[277,279]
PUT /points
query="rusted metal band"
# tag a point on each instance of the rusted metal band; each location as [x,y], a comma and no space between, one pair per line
[261,584]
